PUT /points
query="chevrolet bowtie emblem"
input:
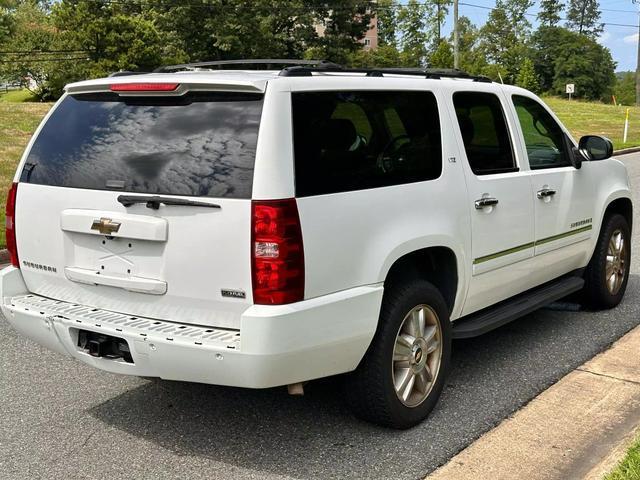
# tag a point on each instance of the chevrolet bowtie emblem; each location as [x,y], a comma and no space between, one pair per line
[105,226]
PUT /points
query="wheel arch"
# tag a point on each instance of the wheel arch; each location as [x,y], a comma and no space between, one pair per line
[621,205]
[440,265]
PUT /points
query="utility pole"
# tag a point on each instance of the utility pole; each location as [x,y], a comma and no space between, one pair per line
[438,18]
[638,64]
[456,38]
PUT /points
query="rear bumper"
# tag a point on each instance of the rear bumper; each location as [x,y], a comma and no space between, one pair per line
[276,345]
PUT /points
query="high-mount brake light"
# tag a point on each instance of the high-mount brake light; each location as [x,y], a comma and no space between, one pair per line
[277,254]
[144,87]
[10,225]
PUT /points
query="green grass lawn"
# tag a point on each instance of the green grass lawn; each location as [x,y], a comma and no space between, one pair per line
[583,118]
[17,96]
[629,468]
[17,123]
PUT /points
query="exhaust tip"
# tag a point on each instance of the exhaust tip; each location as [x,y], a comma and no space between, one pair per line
[296,389]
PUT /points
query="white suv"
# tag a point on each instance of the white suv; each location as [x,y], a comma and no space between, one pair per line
[266,228]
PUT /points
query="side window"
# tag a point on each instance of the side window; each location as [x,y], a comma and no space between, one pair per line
[355,140]
[484,133]
[543,137]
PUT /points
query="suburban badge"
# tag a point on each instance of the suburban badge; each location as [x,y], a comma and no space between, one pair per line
[233,293]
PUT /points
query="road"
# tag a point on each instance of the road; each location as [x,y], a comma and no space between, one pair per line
[61,419]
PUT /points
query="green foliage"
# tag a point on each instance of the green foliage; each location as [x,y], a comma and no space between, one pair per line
[383,56]
[561,56]
[472,59]
[546,45]
[345,23]
[625,89]
[7,12]
[503,37]
[588,65]
[439,10]
[443,56]
[629,467]
[583,16]
[91,38]
[527,77]
[33,31]
[549,14]
[386,14]
[412,23]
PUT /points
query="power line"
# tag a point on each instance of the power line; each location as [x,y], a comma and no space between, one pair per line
[41,52]
[44,60]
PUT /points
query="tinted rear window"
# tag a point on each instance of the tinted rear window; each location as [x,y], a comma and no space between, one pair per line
[357,140]
[201,144]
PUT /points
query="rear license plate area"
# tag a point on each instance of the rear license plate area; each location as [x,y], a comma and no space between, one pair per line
[100,345]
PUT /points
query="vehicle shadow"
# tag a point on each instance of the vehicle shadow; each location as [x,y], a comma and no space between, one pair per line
[315,436]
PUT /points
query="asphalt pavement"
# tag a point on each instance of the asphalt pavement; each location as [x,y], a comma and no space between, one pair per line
[62,419]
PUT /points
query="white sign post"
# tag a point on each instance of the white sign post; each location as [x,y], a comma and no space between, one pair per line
[626,127]
[571,89]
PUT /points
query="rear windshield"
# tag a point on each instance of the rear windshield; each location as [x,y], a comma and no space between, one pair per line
[201,144]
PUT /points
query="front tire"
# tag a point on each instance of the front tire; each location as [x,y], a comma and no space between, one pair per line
[398,382]
[608,271]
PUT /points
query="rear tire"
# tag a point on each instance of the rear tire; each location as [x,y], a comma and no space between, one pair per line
[399,380]
[608,271]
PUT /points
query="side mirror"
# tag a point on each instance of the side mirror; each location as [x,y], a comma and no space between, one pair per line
[594,147]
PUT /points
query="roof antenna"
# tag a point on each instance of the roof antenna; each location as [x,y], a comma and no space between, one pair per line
[500,76]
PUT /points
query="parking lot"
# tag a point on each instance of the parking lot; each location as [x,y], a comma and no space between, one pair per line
[62,419]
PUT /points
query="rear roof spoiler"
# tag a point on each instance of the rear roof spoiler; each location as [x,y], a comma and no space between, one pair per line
[186,83]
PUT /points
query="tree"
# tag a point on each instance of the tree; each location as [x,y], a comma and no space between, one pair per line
[527,77]
[439,12]
[549,14]
[517,14]
[472,59]
[583,16]
[625,88]
[344,24]
[504,35]
[385,13]
[546,45]
[383,56]
[587,64]
[443,56]
[412,23]
[114,35]
[561,56]
[7,12]
[219,30]
[40,54]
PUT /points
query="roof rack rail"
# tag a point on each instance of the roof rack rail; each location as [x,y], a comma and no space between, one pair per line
[429,73]
[257,61]
[126,73]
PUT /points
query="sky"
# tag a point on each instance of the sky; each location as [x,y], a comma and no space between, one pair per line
[621,40]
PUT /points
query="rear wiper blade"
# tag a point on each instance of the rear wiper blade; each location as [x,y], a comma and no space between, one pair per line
[154,201]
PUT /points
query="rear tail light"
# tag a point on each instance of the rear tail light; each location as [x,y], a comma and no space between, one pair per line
[276,251]
[10,224]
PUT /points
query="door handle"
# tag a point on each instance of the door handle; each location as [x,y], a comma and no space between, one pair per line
[545,192]
[486,202]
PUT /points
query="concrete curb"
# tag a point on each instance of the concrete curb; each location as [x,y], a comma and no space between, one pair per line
[578,428]
[626,151]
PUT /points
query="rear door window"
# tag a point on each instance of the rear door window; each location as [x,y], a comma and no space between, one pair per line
[199,144]
[355,140]
[484,133]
